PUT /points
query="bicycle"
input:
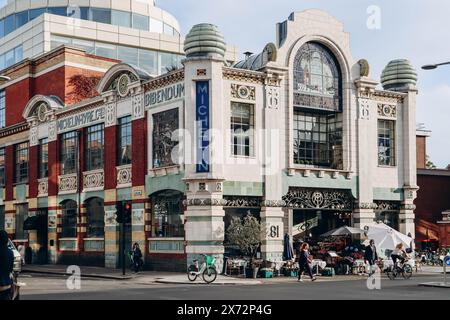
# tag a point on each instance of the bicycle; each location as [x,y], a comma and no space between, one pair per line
[207,270]
[395,270]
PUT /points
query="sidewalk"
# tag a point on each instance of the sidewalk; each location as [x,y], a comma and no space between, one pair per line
[94,272]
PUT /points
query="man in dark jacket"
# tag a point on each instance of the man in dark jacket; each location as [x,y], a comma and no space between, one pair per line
[6,266]
[371,255]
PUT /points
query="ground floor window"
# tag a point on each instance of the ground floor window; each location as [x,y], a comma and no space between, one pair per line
[21,216]
[311,224]
[69,219]
[95,211]
[2,217]
[168,215]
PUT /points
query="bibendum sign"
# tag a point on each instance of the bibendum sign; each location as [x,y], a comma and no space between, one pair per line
[163,95]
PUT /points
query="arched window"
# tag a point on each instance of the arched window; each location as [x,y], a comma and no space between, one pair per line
[69,219]
[317,78]
[95,211]
[317,122]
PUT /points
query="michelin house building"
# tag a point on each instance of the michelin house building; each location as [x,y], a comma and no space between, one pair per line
[299,135]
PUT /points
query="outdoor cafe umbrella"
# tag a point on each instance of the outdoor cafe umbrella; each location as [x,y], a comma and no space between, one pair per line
[387,238]
[343,231]
[288,252]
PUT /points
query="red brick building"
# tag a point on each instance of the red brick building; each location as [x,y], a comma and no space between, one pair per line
[433,201]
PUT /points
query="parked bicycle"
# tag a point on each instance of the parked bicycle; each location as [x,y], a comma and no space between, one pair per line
[400,269]
[207,269]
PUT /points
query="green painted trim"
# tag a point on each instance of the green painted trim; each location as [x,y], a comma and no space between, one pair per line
[243,188]
[327,182]
[389,194]
[124,194]
[168,182]
[205,243]
[21,192]
[2,192]
[42,202]
[205,219]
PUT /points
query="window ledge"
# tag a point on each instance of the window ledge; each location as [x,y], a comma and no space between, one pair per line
[164,171]
[306,171]
[387,167]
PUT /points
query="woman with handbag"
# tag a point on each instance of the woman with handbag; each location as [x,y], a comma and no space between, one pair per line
[6,267]
[304,260]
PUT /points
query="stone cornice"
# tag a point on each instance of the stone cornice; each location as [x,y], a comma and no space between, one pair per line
[14,129]
[244,75]
[164,80]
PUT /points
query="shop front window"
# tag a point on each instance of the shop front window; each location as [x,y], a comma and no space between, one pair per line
[168,215]
[21,162]
[386,143]
[93,150]
[68,155]
[164,125]
[21,216]
[95,218]
[69,219]
[124,141]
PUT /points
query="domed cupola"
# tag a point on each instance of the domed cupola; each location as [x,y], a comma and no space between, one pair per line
[204,40]
[399,75]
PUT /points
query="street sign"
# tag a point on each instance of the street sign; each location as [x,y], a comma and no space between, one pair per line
[447,261]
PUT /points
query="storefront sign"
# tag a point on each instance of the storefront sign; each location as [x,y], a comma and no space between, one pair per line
[81,120]
[202,130]
[153,98]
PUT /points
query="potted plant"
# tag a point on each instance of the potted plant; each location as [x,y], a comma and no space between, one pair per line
[246,234]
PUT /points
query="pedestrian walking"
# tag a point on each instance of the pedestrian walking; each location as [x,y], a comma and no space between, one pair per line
[137,257]
[304,260]
[371,256]
[6,267]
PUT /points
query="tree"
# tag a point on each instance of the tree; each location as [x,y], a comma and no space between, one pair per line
[245,233]
[430,164]
[84,87]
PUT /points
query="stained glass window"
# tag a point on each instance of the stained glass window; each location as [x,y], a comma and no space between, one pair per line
[242,125]
[164,124]
[68,156]
[317,78]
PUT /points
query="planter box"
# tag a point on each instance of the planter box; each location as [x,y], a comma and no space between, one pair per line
[266,273]
[328,272]
[290,273]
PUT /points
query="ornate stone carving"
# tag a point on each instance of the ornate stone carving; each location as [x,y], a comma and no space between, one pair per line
[387,110]
[273,98]
[273,203]
[302,198]
[34,141]
[123,85]
[42,188]
[409,207]
[366,205]
[68,183]
[387,205]
[124,175]
[364,109]
[238,202]
[138,106]
[52,133]
[205,202]
[93,179]
[243,92]
[110,115]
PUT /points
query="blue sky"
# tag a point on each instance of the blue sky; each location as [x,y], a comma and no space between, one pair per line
[413,29]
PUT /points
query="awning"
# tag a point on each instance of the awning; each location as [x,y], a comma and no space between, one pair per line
[31,223]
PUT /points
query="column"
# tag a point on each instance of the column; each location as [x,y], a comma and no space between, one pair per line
[112,228]
[273,227]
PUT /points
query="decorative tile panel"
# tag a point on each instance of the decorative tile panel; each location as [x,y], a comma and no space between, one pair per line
[68,183]
[93,180]
[124,175]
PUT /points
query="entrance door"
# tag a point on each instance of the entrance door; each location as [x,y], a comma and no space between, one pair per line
[42,236]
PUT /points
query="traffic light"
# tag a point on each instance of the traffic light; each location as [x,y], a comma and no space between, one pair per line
[123,212]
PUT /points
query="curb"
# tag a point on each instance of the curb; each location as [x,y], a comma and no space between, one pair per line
[86,275]
[204,283]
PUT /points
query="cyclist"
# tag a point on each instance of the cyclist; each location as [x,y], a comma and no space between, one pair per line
[399,253]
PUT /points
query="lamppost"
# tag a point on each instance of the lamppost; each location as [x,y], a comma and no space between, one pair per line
[434,66]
